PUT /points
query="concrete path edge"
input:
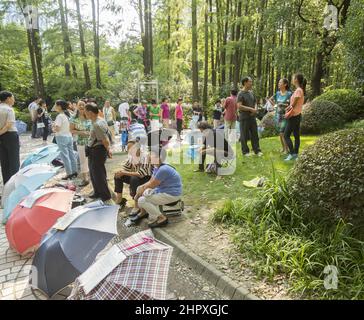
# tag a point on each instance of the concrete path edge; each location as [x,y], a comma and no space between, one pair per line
[230,288]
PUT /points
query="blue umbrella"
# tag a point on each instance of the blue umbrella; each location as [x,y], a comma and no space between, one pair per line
[44,155]
[22,184]
[65,254]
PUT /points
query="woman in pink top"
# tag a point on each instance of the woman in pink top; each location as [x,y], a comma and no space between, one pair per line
[179,117]
[294,122]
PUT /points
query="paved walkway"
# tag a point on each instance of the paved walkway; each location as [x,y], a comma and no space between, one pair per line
[184,283]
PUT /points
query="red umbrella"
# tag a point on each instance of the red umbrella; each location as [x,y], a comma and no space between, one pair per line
[34,216]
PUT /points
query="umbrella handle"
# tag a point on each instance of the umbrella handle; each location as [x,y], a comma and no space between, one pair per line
[146,240]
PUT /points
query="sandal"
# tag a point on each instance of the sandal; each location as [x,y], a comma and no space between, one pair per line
[157,224]
[134,213]
[139,217]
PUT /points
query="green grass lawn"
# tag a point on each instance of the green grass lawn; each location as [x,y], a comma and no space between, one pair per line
[202,189]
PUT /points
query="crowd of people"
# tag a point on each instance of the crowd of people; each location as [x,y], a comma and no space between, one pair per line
[85,133]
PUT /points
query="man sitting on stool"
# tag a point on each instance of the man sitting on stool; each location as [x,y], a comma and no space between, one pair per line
[164,187]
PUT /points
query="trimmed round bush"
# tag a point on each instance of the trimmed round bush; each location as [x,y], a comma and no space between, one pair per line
[328,178]
[269,125]
[322,116]
[350,100]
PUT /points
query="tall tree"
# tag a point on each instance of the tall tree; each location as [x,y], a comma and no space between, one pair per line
[195,91]
[67,48]
[86,71]
[95,24]
[206,56]
[328,40]
[30,13]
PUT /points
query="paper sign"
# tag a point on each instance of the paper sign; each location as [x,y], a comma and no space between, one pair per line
[64,222]
[34,196]
[101,269]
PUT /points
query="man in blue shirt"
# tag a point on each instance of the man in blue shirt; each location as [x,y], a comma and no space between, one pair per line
[163,188]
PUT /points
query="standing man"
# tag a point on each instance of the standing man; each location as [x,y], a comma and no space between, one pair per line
[247,106]
[230,113]
[33,110]
[9,139]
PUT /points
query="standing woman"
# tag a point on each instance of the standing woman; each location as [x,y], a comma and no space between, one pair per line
[281,100]
[98,151]
[165,113]
[43,118]
[293,116]
[110,118]
[9,138]
[179,117]
[80,127]
[61,128]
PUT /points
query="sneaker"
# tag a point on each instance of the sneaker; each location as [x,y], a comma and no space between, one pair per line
[289,158]
[295,156]
[247,155]
[109,202]
[84,183]
[259,154]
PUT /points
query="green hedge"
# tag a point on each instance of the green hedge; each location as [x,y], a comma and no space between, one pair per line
[322,116]
[328,178]
[350,100]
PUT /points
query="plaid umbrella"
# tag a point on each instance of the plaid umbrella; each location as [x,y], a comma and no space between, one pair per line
[142,275]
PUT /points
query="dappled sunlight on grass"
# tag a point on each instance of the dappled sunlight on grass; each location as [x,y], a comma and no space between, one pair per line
[201,189]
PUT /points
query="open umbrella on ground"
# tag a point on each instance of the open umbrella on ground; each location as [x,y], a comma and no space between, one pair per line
[34,216]
[22,184]
[135,269]
[64,254]
[44,155]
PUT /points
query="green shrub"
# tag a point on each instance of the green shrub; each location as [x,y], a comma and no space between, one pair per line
[355,124]
[268,123]
[350,100]
[274,231]
[328,178]
[321,117]
[25,117]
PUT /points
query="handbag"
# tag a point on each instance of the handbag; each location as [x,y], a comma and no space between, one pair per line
[289,112]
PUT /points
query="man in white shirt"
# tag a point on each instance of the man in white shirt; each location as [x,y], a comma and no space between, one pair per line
[124,111]
[33,110]
[9,139]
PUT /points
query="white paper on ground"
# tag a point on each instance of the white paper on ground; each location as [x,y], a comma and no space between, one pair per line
[101,269]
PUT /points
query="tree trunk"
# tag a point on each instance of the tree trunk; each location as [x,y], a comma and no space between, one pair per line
[260,45]
[150,36]
[66,41]
[86,71]
[95,24]
[224,43]
[38,59]
[142,32]
[212,50]
[33,62]
[206,60]
[195,92]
